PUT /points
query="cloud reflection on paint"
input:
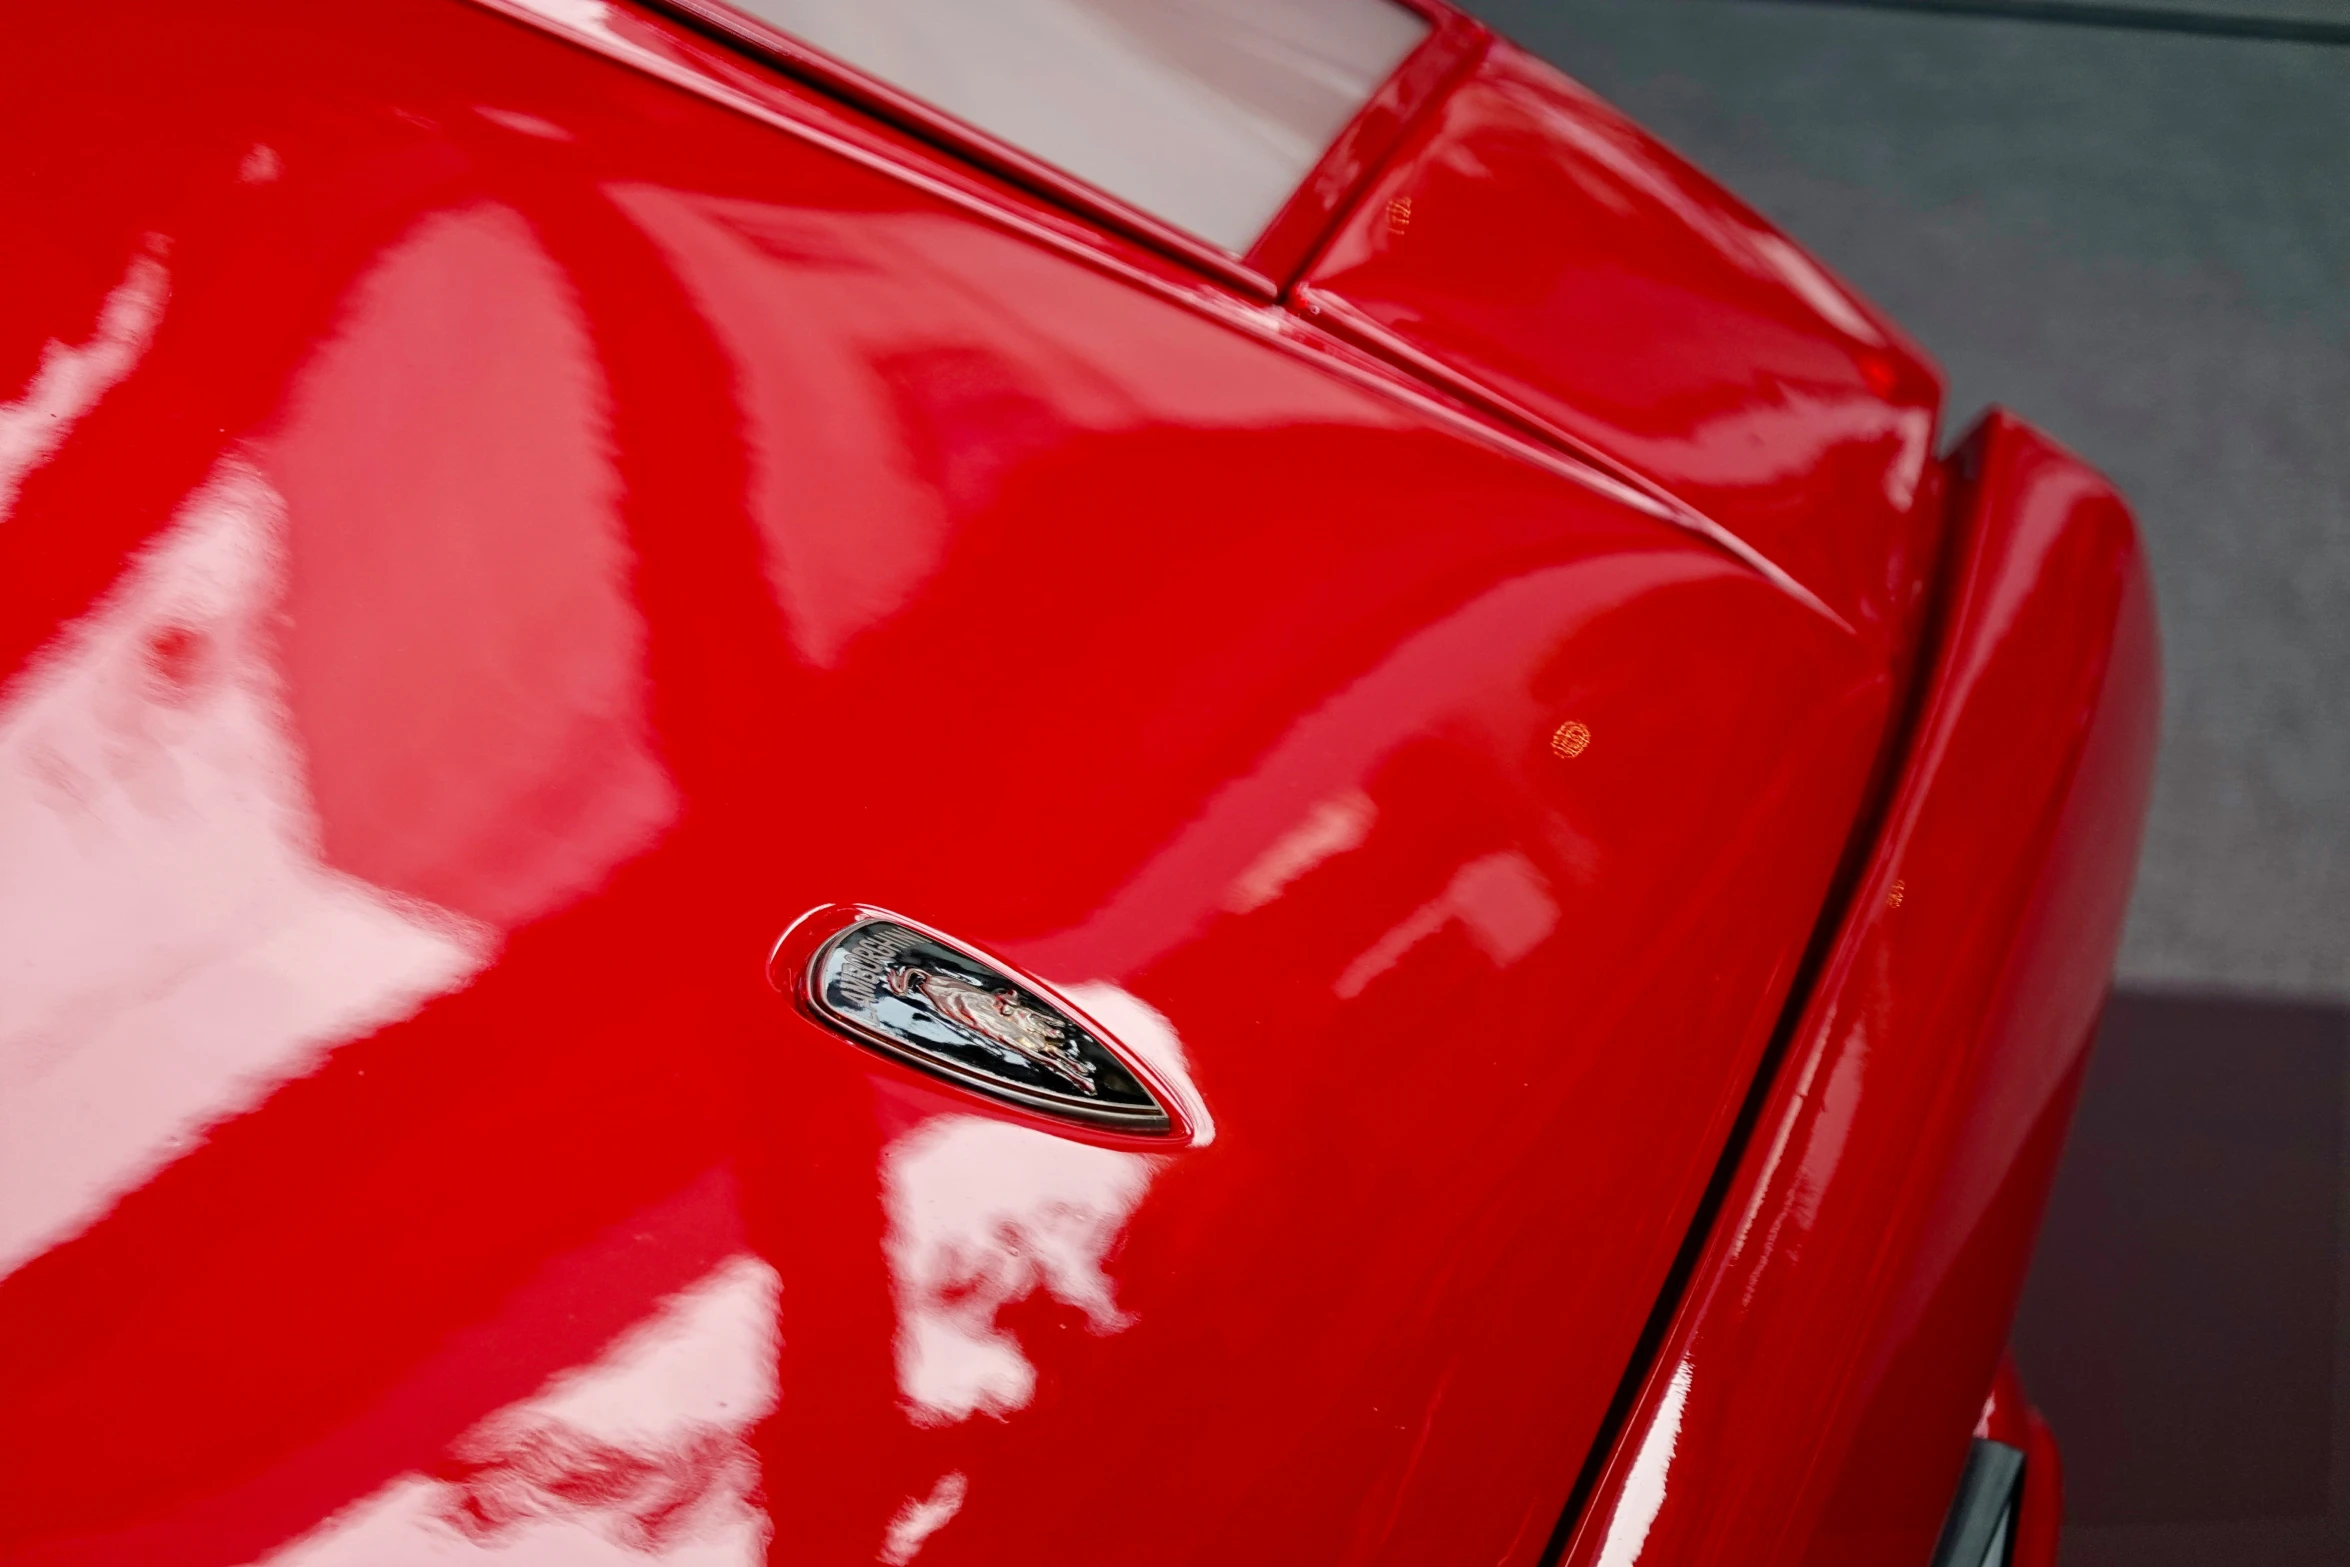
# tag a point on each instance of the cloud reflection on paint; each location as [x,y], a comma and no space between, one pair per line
[642,1455]
[982,1214]
[373,697]
[70,379]
[923,1516]
[173,943]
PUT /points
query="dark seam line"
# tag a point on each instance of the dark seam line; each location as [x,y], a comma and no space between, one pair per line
[1861,843]
[2132,18]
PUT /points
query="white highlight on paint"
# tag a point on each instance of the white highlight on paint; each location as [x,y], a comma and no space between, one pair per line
[69,381]
[1644,1488]
[923,1517]
[171,945]
[1330,829]
[708,1357]
[1145,1031]
[523,124]
[639,1456]
[589,16]
[984,1213]
[1813,286]
[1500,899]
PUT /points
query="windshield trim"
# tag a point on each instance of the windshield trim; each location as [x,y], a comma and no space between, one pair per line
[1278,255]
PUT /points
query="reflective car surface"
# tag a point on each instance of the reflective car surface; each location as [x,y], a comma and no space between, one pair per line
[1018,782]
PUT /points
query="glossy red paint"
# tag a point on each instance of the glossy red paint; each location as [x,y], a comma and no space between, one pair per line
[504,512]
[1532,246]
[512,520]
[1335,187]
[2040,1519]
[1812,1399]
[2008,1416]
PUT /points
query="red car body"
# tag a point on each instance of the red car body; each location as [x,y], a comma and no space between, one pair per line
[1612,846]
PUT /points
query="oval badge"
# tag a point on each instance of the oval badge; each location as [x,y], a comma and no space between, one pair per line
[914,995]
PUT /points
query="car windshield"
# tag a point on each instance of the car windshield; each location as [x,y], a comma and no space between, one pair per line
[1207,114]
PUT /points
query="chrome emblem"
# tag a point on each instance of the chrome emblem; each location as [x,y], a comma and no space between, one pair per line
[931,1004]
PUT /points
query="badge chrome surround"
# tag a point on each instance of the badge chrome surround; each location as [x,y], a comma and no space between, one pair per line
[915,996]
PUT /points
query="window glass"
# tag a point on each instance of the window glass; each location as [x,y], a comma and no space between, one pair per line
[1205,113]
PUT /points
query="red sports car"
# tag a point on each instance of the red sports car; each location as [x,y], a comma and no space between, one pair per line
[1005,781]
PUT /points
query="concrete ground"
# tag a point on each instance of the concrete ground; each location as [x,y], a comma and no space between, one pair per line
[2139,239]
